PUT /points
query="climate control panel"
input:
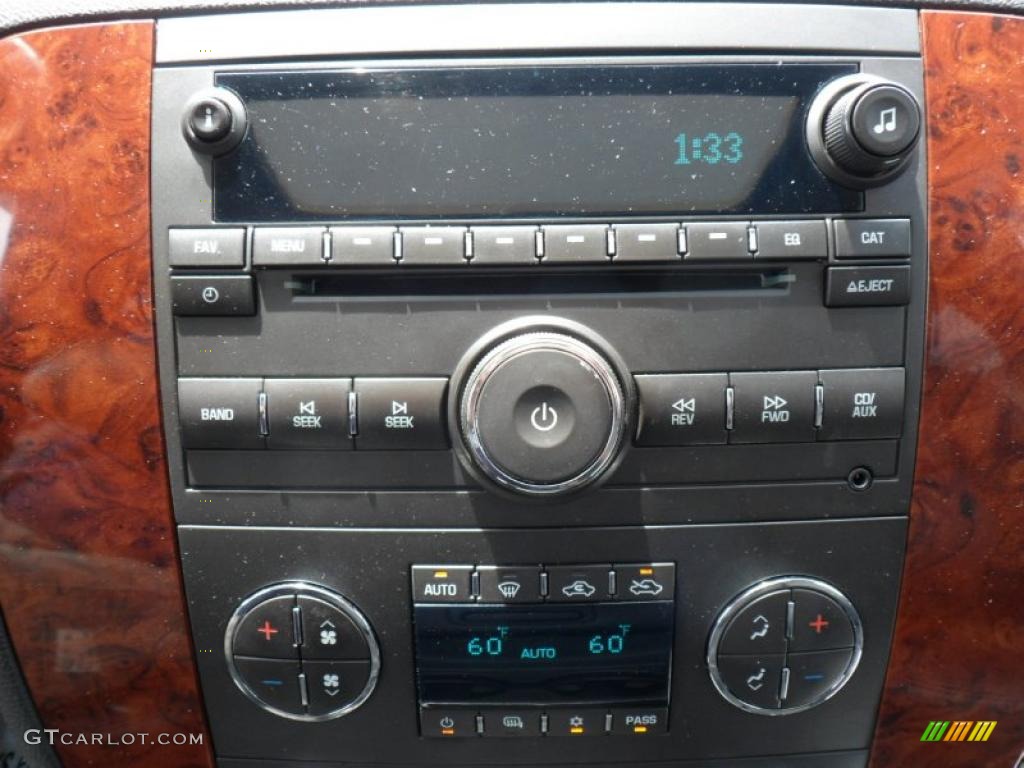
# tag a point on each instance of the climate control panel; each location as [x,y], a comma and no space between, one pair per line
[302,652]
[785,645]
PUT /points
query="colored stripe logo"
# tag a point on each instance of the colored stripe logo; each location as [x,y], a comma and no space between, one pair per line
[958,730]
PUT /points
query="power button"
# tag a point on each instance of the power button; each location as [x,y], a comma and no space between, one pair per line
[543,413]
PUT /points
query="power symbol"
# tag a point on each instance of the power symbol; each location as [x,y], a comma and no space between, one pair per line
[544,417]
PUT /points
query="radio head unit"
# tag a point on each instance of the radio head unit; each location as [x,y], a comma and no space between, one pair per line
[667,277]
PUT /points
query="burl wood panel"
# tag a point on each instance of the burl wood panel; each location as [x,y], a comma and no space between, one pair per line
[89,577]
[959,645]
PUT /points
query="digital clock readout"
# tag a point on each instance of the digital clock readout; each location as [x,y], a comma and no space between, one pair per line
[563,653]
[710,148]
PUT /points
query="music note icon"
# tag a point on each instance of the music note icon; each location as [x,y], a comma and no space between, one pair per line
[886,121]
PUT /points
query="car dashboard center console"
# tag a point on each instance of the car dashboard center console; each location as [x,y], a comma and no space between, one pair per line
[541,382]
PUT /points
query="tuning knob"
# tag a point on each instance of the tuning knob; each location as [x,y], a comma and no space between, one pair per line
[863,130]
[541,407]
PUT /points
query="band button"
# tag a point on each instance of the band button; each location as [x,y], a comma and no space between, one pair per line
[220,413]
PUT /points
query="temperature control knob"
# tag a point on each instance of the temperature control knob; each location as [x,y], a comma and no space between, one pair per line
[863,130]
[543,408]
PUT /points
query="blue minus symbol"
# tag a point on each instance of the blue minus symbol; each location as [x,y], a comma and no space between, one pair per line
[272,682]
[813,678]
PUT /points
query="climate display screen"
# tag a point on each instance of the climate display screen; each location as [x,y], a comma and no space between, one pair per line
[420,143]
[546,654]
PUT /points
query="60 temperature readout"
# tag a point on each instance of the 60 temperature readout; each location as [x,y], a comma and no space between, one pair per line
[709,148]
[498,643]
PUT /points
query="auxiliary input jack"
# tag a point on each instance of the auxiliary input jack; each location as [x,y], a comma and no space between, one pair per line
[860,479]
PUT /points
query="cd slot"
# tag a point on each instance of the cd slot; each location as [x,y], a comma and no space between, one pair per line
[497,284]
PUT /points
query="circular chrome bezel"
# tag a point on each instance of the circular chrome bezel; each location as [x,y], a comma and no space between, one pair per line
[761,589]
[526,343]
[298,588]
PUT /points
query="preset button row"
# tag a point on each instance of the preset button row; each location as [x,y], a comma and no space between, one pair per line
[313,414]
[770,407]
[536,583]
[446,245]
[512,722]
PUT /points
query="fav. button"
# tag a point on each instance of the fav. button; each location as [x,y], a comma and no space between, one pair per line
[199,248]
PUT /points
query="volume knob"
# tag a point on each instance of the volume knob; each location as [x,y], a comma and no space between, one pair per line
[541,411]
[863,131]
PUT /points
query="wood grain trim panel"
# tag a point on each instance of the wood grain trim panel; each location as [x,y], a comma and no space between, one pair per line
[960,629]
[89,573]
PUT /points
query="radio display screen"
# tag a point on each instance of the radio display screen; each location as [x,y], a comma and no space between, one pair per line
[599,653]
[526,141]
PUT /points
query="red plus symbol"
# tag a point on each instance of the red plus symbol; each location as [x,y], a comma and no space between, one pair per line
[267,630]
[818,624]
